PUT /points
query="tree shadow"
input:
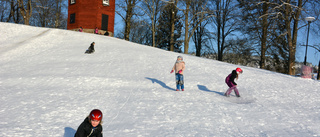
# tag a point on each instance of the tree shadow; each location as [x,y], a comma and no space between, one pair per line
[204,88]
[69,132]
[160,83]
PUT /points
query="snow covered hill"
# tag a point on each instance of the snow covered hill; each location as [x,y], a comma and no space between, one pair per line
[48,86]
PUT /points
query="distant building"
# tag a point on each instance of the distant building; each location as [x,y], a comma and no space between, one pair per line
[90,14]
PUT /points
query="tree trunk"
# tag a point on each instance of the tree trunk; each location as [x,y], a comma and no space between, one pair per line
[295,34]
[17,19]
[129,14]
[186,22]
[318,71]
[198,50]
[25,12]
[292,38]
[172,25]
[11,10]
[264,34]
[291,61]
[218,14]
[58,13]
[153,29]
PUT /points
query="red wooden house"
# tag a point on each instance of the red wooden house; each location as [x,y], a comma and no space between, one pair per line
[90,14]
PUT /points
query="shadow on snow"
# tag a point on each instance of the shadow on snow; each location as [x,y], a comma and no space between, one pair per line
[69,132]
[160,83]
[204,88]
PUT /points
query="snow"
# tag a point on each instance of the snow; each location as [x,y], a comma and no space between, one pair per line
[48,86]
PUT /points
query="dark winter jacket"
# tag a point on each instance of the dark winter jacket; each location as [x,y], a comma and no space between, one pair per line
[91,47]
[86,128]
[230,78]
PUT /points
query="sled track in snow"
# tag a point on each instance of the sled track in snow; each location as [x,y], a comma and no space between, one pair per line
[33,37]
[120,109]
[20,43]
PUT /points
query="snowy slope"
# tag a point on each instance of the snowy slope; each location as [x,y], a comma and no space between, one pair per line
[48,86]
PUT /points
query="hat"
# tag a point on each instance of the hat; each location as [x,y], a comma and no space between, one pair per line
[239,70]
[180,57]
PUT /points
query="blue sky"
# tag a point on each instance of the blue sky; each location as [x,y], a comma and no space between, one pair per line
[313,55]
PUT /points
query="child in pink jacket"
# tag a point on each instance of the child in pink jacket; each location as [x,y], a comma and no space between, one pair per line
[179,67]
[96,31]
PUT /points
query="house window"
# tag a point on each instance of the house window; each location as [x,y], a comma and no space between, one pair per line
[72,1]
[72,18]
[105,2]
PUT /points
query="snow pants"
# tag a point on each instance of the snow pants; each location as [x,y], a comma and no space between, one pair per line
[235,91]
[179,81]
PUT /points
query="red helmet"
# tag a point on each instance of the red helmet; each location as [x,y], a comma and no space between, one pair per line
[96,114]
[239,70]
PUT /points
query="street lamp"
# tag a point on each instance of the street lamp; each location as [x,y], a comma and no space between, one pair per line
[309,19]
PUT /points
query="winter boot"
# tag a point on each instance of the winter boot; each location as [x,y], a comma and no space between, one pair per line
[225,94]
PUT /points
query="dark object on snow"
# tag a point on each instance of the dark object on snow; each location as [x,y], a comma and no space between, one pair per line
[106,34]
[90,49]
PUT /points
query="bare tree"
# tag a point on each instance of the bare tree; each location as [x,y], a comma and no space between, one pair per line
[199,33]
[186,11]
[172,22]
[287,14]
[239,51]
[42,12]
[139,33]
[25,10]
[186,25]
[292,16]
[57,21]
[4,9]
[196,18]
[264,25]
[9,11]
[151,9]
[128,7]
[262,22]
[226,22]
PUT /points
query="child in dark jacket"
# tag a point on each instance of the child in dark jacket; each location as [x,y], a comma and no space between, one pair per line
[91,126]
[90,49]
[231,83]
